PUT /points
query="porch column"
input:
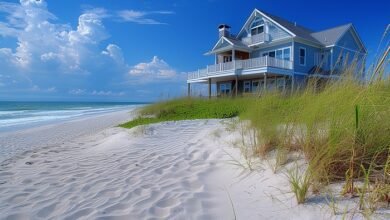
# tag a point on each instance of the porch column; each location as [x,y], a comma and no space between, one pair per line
[216,59]
[189,89]
[284,84]
[209,87]
[236,85]
[234,58]
[265,82]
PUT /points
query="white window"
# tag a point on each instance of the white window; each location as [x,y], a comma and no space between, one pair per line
[247,86]
[227,59]
[279,54]
[255,85]
[257,26]
[282,54]
[286,54]
[302,56]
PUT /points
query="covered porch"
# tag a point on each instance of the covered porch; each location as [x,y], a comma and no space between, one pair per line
[247,85]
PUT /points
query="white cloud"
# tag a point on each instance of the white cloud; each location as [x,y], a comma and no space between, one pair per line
[156,69]
[43,43]
[36,88]
[115,52]
[79,92]
[140,17]
[51,57]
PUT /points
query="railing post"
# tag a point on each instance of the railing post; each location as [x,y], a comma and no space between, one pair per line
[266,60]
[207,71]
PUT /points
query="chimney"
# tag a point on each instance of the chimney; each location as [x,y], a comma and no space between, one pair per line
[295,23]
[224,30]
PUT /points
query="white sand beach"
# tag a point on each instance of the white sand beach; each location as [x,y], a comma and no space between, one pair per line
[171,170]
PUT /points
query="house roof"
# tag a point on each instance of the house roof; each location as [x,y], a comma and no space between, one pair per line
[298,30]
[233,43]
[327,37]
[331,36]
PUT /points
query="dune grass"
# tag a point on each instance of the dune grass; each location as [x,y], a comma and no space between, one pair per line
[342,131]
[188,109]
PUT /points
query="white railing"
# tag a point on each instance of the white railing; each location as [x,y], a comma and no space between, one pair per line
[255,39]
[220,67]
[258,62]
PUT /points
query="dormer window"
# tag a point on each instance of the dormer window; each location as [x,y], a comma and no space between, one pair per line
[257,26]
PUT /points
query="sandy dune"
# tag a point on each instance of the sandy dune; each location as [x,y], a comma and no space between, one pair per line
[172,170]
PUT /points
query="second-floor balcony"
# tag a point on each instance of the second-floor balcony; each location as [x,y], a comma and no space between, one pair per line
[249,64]
[256,39]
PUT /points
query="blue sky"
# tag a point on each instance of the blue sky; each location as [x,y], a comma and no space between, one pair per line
[139,50]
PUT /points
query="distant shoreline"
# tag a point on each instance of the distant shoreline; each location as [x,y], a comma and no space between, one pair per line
[14,143]
[16,116]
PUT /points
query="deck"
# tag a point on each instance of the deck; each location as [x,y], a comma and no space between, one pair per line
[249,66]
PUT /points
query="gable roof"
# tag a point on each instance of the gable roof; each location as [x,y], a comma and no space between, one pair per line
[298,30]
[233,43]
[330,36]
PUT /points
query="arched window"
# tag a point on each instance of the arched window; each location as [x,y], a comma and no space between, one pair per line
[257,26]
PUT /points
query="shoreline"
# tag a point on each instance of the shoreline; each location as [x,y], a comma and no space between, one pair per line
[14,143]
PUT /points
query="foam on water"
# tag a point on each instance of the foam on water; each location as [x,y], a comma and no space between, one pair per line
[19,115]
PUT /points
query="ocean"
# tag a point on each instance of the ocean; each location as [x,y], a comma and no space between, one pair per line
[20,115]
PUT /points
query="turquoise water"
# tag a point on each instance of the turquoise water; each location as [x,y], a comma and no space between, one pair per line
[17,115]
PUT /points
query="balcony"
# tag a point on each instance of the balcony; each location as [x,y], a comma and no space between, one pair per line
[249,64]
[256,39]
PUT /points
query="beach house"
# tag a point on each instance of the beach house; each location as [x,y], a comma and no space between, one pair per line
[271,53]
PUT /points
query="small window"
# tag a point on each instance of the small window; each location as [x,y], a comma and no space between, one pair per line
[227,59]
[257,30]
[247,86]
[257,26]
[255,86]
[265,54]
[225,88]
[279,54]
[302,56]
[272,53]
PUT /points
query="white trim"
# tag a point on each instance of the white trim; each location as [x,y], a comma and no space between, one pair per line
[299,73]
[293,53]
[341,35]
[271,43]
[285,29]
[360,40]
[274,50]
[354,35]
[261,13]
[221,39]
[299,56]
[345,48]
